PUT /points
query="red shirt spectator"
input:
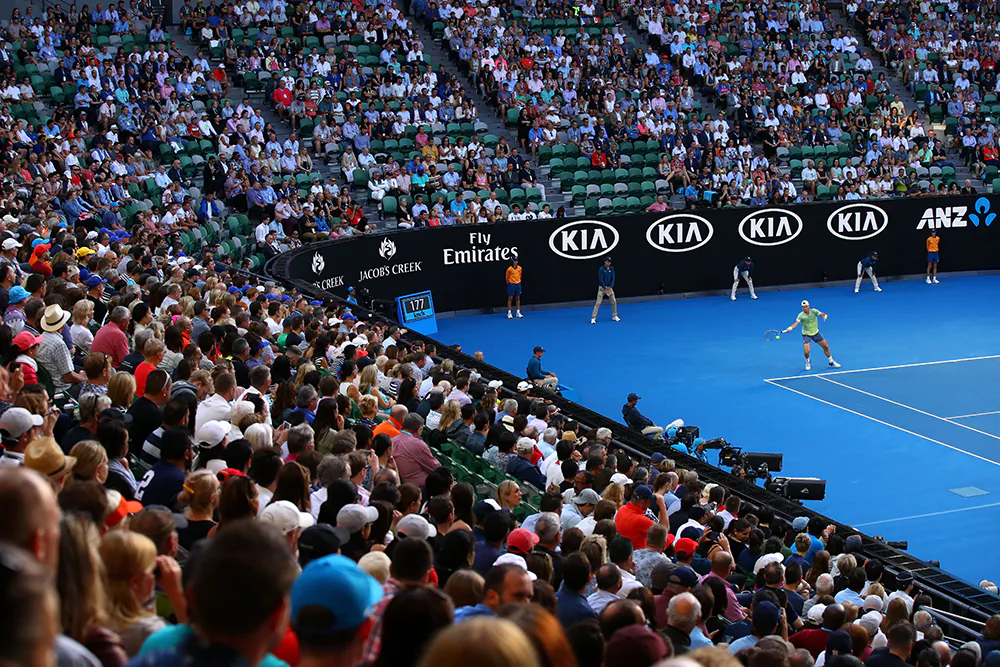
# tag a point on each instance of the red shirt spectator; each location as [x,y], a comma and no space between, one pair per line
[632,522]
[111,340]
[142,371]
[414,459]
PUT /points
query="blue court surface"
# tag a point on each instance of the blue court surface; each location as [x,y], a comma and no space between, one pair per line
[907,432]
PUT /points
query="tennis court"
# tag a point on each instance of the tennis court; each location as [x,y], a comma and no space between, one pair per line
[907,432]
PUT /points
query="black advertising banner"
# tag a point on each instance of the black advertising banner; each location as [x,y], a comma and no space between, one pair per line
[673,252]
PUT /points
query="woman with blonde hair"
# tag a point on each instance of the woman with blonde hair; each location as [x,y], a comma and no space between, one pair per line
[451,412]
[368,385]
[369,410]
[83,312]
[508,494]
[91,462]
[300,375]
[614,492]
[80,581]
[200,497]
[132,565]
[121,391]
[484,642]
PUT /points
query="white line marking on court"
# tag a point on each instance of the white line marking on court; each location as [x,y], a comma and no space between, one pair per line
[884,423]
[909,407]
[976,414]
[887,368]
[924,516]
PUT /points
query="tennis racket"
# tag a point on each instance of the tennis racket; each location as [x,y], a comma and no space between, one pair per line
[772,334]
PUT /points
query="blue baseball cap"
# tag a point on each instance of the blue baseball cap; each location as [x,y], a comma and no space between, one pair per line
[84,274]
[285,297]
[233,289]
[17,294]
[642,492]
[94,281]
[315,302]
[339,587]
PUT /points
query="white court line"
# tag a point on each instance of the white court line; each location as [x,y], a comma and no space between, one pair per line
[976,414]
[887,368]
[909,407]
[924,516]
[884,423]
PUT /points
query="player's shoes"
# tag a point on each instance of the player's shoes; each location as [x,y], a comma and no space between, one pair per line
[856,290]
[936,281]
[834,364]
[753,296]
[519,315]
[928,280]
[809,365]
[616,319]
[878,289]
[732,298]
[509,316]
[593,321]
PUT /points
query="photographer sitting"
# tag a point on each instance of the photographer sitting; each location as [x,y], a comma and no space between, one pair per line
[638,421]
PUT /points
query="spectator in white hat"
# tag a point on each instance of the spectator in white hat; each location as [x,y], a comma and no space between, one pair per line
[18,427]
[287,518]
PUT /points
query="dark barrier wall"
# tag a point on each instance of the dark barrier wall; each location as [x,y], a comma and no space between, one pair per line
[687,251]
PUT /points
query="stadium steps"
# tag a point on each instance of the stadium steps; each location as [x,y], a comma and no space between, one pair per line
[282,128]
[437,54]
[910,102]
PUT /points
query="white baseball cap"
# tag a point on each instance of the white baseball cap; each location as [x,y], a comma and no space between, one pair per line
[286,516]
[514,559]
[414,525]
[355,517]
[213,433]
[804,303]
[10,244]
[18,421]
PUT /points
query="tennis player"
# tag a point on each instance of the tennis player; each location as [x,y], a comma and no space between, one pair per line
[514,286]
[809,318]
[933,243]
[867,265]
[743,270]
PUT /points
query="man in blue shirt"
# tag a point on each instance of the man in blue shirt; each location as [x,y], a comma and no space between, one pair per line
[867,265]
[504,584]
[744,270]
[535,372]
[521,466]
[606,286]
[166,478]
[572,604]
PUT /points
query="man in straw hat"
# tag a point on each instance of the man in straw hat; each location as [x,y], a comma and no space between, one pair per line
[53,355]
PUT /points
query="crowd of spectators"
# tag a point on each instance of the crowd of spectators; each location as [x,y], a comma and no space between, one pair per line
[946,56]
[200,466]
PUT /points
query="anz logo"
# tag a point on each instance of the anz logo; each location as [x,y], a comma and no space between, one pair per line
[982,209]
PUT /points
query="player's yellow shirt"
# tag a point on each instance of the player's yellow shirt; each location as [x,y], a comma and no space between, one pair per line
[514,275]
[932,243]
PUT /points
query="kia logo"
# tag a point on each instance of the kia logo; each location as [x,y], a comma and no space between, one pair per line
[679,233]
[583,239]
[770,226]
[857,222]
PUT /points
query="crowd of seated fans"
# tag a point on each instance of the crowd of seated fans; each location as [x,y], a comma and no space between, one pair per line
[200,466]
[949,68]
